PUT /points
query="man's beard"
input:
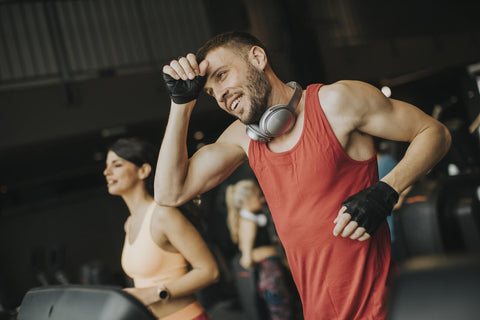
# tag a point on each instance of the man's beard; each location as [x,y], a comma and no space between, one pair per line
[259,89]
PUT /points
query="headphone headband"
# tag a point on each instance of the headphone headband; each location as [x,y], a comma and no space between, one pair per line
[297,95]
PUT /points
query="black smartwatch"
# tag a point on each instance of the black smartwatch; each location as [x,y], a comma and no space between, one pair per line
[163,293]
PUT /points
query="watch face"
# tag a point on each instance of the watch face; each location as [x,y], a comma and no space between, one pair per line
[163,294]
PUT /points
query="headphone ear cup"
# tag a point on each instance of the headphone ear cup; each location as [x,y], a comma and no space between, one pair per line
[254,132]
[277,120]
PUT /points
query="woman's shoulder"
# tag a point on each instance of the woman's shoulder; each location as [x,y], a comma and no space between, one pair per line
[165,220]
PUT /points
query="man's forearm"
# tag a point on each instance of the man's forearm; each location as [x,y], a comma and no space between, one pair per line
[423,153]
[172,164]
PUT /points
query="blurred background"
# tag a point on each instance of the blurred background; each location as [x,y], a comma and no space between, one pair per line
[77,75]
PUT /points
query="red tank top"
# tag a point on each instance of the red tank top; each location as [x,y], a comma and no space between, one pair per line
[337,278]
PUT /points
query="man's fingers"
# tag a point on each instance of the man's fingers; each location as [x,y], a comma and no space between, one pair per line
[342,210]
[360,231]
[349,229]
[203,67]
[365,236]
[192,60]
[187,68]
[175,64]
[342,222]
[171,72]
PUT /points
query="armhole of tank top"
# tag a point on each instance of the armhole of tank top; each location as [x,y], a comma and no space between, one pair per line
[333,139]
[126,224]
[322,117]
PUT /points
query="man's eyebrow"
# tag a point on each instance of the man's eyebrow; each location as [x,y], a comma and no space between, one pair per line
[214,73]
[210,76]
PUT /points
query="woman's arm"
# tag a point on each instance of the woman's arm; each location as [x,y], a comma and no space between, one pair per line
[247,231]
[183,236]
[169,223]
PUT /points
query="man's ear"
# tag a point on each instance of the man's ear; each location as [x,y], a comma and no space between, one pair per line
[144,171]
[258,57]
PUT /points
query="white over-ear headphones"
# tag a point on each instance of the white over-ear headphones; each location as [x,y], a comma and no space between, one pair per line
[277,119]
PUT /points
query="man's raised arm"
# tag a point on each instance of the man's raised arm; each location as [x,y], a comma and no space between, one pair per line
[177,178]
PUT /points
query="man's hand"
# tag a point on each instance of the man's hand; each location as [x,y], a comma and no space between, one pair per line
[185,78]
[347,228]
[362,213]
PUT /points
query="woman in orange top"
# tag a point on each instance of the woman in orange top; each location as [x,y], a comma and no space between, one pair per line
[163,252]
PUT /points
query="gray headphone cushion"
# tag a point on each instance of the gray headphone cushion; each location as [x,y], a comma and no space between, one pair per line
[277,120]
[254,132]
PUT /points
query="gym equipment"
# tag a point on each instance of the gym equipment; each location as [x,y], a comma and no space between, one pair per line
[247,290]
[77,302]
[439,216]
[437,287]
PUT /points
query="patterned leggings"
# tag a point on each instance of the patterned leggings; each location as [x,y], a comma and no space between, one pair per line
[273,288]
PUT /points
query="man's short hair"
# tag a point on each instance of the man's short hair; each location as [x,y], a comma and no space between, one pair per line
[237,40]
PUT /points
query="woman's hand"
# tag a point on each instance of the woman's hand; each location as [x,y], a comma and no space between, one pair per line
[246,261]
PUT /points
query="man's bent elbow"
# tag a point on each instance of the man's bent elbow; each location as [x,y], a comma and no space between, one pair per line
[165,197]
[214,274]
[446,138]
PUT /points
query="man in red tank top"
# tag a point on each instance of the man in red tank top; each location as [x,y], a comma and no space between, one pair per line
[313,154]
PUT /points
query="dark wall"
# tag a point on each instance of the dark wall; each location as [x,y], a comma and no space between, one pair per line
[61,233]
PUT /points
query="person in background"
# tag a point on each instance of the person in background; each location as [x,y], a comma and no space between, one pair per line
[248,227]
[163,252]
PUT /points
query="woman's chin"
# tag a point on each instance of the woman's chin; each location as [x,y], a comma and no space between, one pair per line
[113,191]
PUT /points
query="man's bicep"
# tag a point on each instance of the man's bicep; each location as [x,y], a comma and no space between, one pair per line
[394,120]
[211,165]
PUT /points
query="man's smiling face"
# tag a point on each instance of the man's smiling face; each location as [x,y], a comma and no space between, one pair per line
[238,86]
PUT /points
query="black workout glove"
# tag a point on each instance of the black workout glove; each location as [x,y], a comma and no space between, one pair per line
[371,206]
[183,91]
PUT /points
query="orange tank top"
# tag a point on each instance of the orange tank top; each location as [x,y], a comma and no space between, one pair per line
[148,264]
[337,278]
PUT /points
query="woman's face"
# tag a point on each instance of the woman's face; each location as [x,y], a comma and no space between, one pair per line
[255,202]
[122,176]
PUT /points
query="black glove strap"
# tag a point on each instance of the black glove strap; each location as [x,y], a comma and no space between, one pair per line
[371,206]
[183,91]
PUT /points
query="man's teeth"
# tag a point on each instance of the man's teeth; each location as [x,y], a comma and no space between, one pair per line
[235,103]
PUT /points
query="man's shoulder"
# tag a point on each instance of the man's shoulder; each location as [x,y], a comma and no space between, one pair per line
[344,87]
[344,93]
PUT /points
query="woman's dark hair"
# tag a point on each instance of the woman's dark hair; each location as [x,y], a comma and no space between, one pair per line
[139,152]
